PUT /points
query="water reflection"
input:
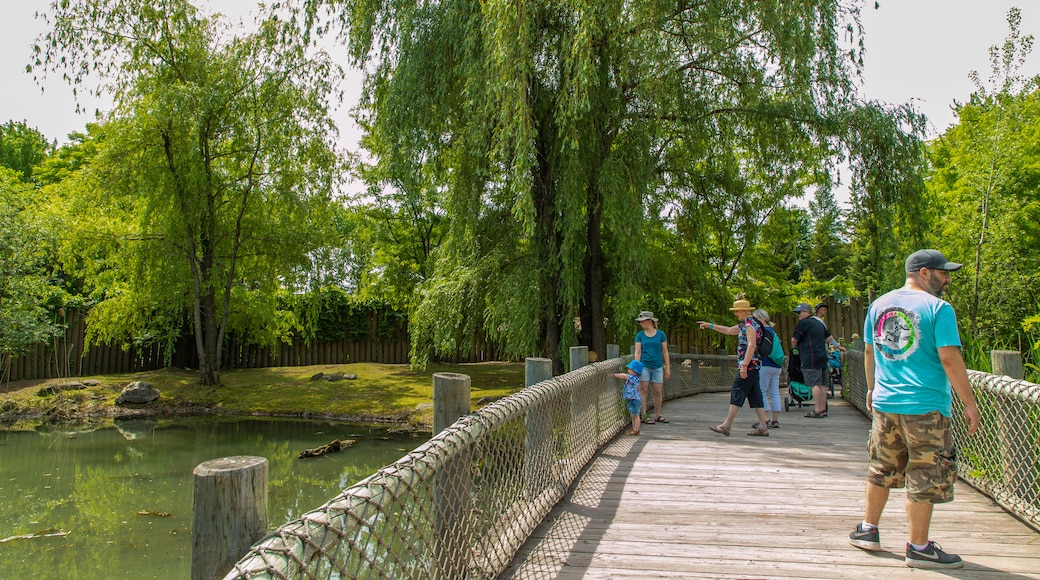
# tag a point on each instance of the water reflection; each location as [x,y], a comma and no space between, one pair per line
[122,495]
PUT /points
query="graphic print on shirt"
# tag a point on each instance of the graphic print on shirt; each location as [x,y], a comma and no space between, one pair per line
[896,333]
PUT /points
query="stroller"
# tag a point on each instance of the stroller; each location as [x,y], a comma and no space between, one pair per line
[799,393]
[834,371]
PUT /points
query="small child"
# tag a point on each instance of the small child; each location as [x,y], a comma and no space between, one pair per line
[631,392]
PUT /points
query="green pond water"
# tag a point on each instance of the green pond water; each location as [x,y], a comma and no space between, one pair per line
[79,493]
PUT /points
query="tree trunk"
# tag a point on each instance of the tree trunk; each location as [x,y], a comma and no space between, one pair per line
[593,333]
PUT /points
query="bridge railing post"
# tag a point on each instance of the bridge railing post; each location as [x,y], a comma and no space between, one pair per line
[725,376]
[695,371]
[451,504]
[1017,450]
[613,351]
[537,431]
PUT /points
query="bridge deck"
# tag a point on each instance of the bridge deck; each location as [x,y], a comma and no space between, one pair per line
[683,502]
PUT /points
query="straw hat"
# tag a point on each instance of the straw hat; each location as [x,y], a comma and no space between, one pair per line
[741,305]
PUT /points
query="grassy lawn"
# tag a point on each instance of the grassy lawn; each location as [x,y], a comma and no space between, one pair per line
[381,393]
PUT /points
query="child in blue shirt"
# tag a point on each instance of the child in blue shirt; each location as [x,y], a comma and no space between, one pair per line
[631,393]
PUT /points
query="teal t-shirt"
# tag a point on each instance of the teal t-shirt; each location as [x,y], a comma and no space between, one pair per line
[906,329]
[652,355]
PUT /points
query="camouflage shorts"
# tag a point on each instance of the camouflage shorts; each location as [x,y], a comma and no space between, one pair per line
[915,451]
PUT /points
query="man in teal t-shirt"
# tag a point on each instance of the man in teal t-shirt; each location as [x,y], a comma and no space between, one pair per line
[912,358]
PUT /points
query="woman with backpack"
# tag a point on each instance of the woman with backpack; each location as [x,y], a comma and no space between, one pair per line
[769,374]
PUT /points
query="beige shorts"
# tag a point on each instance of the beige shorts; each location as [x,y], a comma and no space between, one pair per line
[915,451]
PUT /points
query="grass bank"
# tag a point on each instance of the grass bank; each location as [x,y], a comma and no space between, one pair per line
[380,394]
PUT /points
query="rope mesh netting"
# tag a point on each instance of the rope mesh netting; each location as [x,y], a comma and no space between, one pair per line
[462,504]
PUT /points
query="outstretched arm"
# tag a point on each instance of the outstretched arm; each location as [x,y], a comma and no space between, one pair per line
[730,330]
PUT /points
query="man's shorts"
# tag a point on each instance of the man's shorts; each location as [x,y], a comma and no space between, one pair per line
[916,451]
[652,375]
[635,406]
[748,389]
[813,377]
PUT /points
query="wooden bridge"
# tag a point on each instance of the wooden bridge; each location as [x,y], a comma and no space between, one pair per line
[542,485]
[680,501]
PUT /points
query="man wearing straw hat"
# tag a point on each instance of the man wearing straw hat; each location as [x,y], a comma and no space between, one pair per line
[746,384]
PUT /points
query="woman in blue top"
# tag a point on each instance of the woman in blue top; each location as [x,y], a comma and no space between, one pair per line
[651,349]
[769,374]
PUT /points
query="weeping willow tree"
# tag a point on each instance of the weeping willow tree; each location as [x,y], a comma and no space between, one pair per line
[586,152]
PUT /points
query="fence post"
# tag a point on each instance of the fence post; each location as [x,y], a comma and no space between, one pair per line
[725,378]
[452,486]
[695,371]
[613,351]
[229,513]
[579,357]
[1016,449]
[537,429]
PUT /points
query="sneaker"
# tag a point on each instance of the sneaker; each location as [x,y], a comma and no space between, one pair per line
[868,539]
[931,557]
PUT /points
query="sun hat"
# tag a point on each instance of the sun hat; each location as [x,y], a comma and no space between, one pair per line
[741,305]
[645,315]
[931,259]
[803,307]
[636,366]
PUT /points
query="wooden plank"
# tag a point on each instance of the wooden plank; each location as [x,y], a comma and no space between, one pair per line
[681,501]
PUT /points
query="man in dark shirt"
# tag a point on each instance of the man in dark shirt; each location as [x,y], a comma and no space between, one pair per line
[810,338]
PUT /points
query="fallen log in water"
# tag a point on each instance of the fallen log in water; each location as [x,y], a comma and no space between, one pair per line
[335,446]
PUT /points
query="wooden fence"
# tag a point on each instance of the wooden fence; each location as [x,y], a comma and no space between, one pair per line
[66,356]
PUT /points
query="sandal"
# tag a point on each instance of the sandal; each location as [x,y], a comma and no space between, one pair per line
[720,429]
[632,432]
[773,424]
[648,421]
[816,414]
[759,433]
[661,419]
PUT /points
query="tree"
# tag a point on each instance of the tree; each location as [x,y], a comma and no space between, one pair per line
[25,288]
[569,140]
[22,148]
[214,175]
[827,252]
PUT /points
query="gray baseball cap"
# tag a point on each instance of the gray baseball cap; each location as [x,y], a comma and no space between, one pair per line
[803,307]
[931,259]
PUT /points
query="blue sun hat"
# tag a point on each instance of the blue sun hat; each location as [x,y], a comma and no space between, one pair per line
[636,366]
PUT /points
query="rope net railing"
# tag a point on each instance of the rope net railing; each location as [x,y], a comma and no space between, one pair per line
[461,505]
[1002,459]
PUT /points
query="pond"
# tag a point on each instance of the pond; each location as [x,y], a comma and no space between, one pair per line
[116,502]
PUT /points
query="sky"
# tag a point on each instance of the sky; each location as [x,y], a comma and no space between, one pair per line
[916,50]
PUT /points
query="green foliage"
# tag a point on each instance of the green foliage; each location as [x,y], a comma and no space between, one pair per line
[986,181]
[596,158]
[22,148]
[211,188]
[26,289]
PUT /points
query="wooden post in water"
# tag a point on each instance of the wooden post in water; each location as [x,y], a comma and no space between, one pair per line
[1018,453]
[229,513]
[451,395]
[537,431]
